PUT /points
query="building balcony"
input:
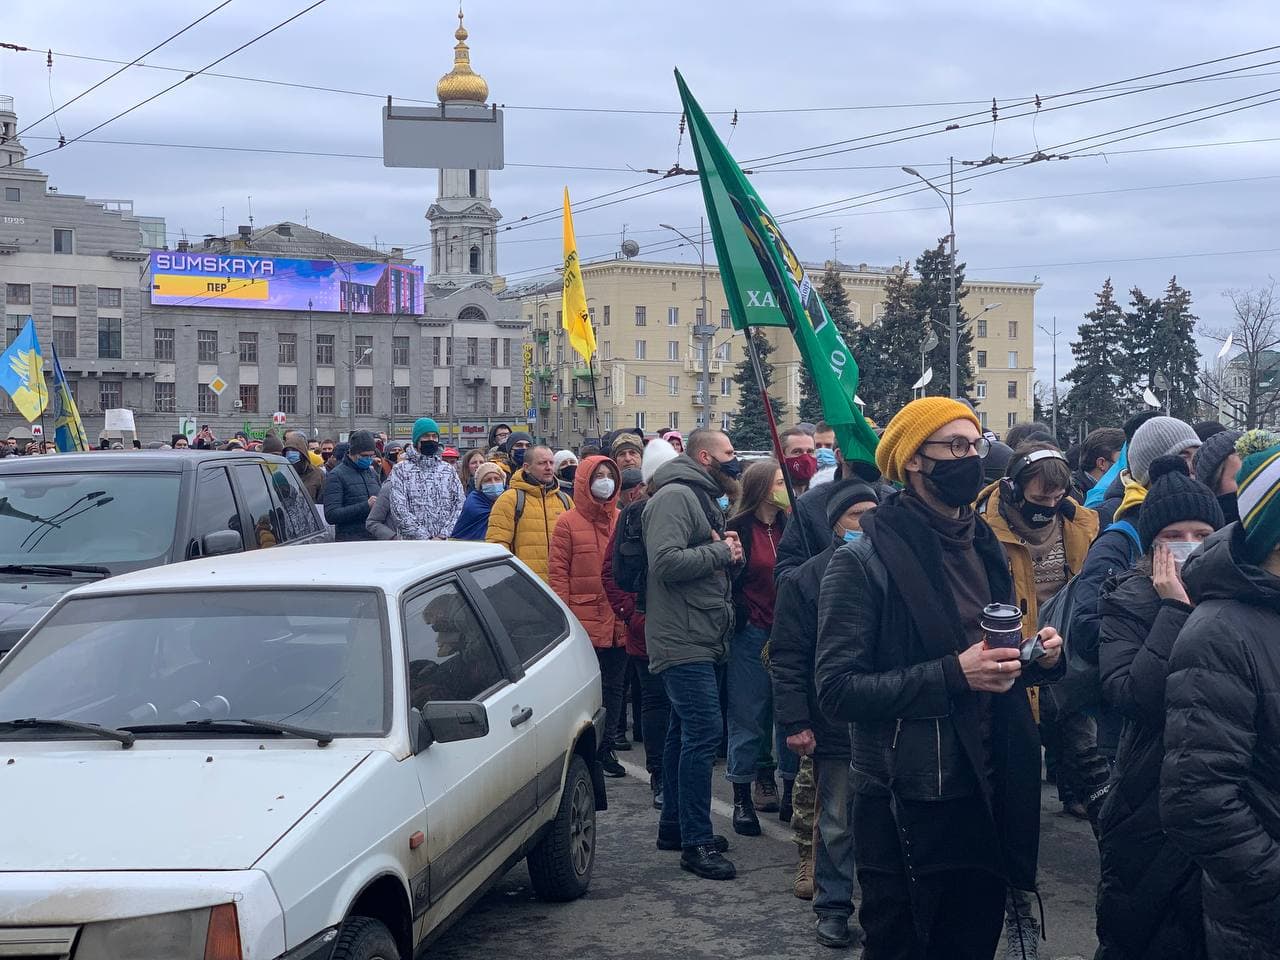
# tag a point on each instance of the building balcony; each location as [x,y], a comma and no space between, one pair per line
[698,399]
[106,367]
[541,336]
[544,403]
[583,373]
[545,373]
[694,365]
[583,400]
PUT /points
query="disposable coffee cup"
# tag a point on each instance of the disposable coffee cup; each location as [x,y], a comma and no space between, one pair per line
[1001,626]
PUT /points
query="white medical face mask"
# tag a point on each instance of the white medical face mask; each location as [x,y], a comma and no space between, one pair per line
[602,489]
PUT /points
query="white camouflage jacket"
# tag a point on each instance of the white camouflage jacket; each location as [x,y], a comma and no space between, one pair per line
[426,497]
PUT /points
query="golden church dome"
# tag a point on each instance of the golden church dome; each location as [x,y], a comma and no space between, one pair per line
[462,83]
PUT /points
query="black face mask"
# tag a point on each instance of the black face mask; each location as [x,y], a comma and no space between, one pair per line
[1036,515]
[730,468]
[956,483]
[428,448]
[1230,507]
[567,473]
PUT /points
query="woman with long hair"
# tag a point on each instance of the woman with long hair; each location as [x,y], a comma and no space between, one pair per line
[759,521]
[467,467]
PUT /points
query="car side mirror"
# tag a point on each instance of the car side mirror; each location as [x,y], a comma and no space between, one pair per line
[220,542]
[447,721]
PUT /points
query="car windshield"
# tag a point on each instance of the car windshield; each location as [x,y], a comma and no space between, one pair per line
[310,658]
[94,518]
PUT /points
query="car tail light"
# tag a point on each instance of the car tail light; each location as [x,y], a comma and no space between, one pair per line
[223,940]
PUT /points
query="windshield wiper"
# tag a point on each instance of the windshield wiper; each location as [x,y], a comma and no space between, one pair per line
[54,569]
[123,736]
[235,725]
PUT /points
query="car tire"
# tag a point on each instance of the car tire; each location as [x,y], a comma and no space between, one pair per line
[560,865]
[363,938]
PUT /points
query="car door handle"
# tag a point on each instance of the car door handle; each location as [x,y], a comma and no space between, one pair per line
[523,716]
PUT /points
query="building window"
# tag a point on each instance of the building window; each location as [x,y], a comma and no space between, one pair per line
[722,351]
[65,336]
[109,297]
[980,390]
[165,399]
[442,351]
[14,322]
[982,327]
[400,351]
[674,421]
[364,351]
[287,349]
[474,258]
[640,383]
[109,394]
[982,419]
[64,241]
[673,350]
[673,316]
[506,399]
[1013,389]
[1013,419]
[440,400]
[399,401]
[64,296]
[1013,329]
[493,399]
[606,316]
[726,421]
[699,318]
[248,347]
[207,346]
[726,386]
[559,354]
[162,343]
[1013,359]
[206,399]
[13,194]
[493,351]
[324,350]
[109,346]
[641,348]
[982,359]
[640,419]
[640,317]
[18,293]
[673,386]
[249,397]
[364,401]
[324,400]
[471,182]
[725,322]
[473,350]
[606,349]
[287,398]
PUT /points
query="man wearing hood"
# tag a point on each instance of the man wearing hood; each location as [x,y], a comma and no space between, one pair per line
[524,518]
[311,476]
[426,496]
[688,622]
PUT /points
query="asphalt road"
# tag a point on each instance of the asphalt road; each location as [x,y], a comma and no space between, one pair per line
[642,905]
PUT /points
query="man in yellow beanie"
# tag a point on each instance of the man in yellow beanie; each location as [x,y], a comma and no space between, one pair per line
[942,733]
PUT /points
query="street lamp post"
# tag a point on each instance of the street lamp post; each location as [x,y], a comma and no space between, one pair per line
[953,307]
[1053,334]
[705,330]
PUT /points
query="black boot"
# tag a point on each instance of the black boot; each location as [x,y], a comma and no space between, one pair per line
[707,863]
[745,820]
[785,807]
[610,765]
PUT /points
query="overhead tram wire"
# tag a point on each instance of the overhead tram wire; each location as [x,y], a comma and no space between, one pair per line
[126,66]
[174,86]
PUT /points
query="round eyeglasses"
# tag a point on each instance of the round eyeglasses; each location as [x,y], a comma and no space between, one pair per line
[960,447]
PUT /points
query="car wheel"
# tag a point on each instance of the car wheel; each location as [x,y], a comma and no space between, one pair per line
[363,938]
[560,865]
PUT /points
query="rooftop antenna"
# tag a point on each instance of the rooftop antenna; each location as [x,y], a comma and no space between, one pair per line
[250,211]
[306,218]
[224,221]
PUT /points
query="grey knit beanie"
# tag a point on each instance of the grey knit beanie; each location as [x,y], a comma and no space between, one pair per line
[1158,437]
[1213,454]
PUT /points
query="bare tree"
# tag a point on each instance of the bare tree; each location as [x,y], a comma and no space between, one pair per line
[1249,385]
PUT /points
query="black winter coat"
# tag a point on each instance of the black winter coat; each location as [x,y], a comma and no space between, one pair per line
[1149,894]
[347,490]
[807,533]
[888,662]
[792,650]
[1220,782]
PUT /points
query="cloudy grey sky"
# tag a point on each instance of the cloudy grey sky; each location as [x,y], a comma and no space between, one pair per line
[1179,201]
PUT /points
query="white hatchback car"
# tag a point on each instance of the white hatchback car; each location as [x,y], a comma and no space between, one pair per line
[320,753]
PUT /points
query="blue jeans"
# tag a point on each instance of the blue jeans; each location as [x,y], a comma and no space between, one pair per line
[752,733]
[833,868]
[693,733]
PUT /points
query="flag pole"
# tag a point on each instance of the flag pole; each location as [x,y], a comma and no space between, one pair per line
[595,402]
[773,434]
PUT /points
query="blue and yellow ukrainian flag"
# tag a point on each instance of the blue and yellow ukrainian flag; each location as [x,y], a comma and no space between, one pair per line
[68,431]
[22,374]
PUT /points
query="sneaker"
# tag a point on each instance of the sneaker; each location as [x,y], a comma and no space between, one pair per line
[803,884]
[707,862]
[655,787]
[764,795]
[611,767]
[834,932]
[668,842]
[1022,935]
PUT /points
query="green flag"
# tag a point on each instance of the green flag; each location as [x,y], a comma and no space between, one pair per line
[766,284]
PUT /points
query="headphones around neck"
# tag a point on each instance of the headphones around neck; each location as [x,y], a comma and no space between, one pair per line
[1019,466]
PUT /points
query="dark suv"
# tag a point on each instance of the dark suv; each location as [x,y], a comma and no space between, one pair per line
[70,518]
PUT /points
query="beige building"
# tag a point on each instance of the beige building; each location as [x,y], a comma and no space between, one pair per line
[648,372]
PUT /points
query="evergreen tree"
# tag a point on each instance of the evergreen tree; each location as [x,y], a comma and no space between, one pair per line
[750,429]
[888,350]
[1174,353]
[1093,400]
[1136,360]
[931,297]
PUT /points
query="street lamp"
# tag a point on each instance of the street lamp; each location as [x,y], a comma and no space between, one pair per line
[705,331]
[952,306]
[1053,334]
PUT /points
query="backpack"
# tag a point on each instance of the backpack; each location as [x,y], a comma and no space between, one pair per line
[631,559]
[521,496]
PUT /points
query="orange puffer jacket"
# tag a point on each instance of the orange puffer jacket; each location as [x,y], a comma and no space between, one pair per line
[577,555]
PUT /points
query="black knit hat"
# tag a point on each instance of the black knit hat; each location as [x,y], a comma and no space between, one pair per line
[844,494]
[1173,497]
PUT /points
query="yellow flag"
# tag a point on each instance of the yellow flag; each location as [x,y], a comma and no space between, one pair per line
[575,317]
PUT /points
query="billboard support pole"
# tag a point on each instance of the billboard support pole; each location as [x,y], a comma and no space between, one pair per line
[311,389]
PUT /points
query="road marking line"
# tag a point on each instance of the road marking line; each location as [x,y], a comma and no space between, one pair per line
[775,831]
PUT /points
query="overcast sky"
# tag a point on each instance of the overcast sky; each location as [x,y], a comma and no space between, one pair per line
[1135,216]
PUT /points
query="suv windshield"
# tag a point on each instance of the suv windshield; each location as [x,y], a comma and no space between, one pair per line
[310,658]
[96,518]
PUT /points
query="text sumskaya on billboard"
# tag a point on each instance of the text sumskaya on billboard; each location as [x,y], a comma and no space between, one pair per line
[240,281]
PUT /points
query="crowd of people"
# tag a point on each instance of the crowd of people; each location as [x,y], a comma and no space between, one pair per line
[847,653]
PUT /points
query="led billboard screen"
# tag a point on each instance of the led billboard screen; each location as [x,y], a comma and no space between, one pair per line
[243,281]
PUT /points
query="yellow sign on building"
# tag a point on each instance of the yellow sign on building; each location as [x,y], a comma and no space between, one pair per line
[232,288]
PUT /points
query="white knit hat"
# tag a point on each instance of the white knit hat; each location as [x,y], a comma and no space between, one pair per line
[656,453]
[561,457]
